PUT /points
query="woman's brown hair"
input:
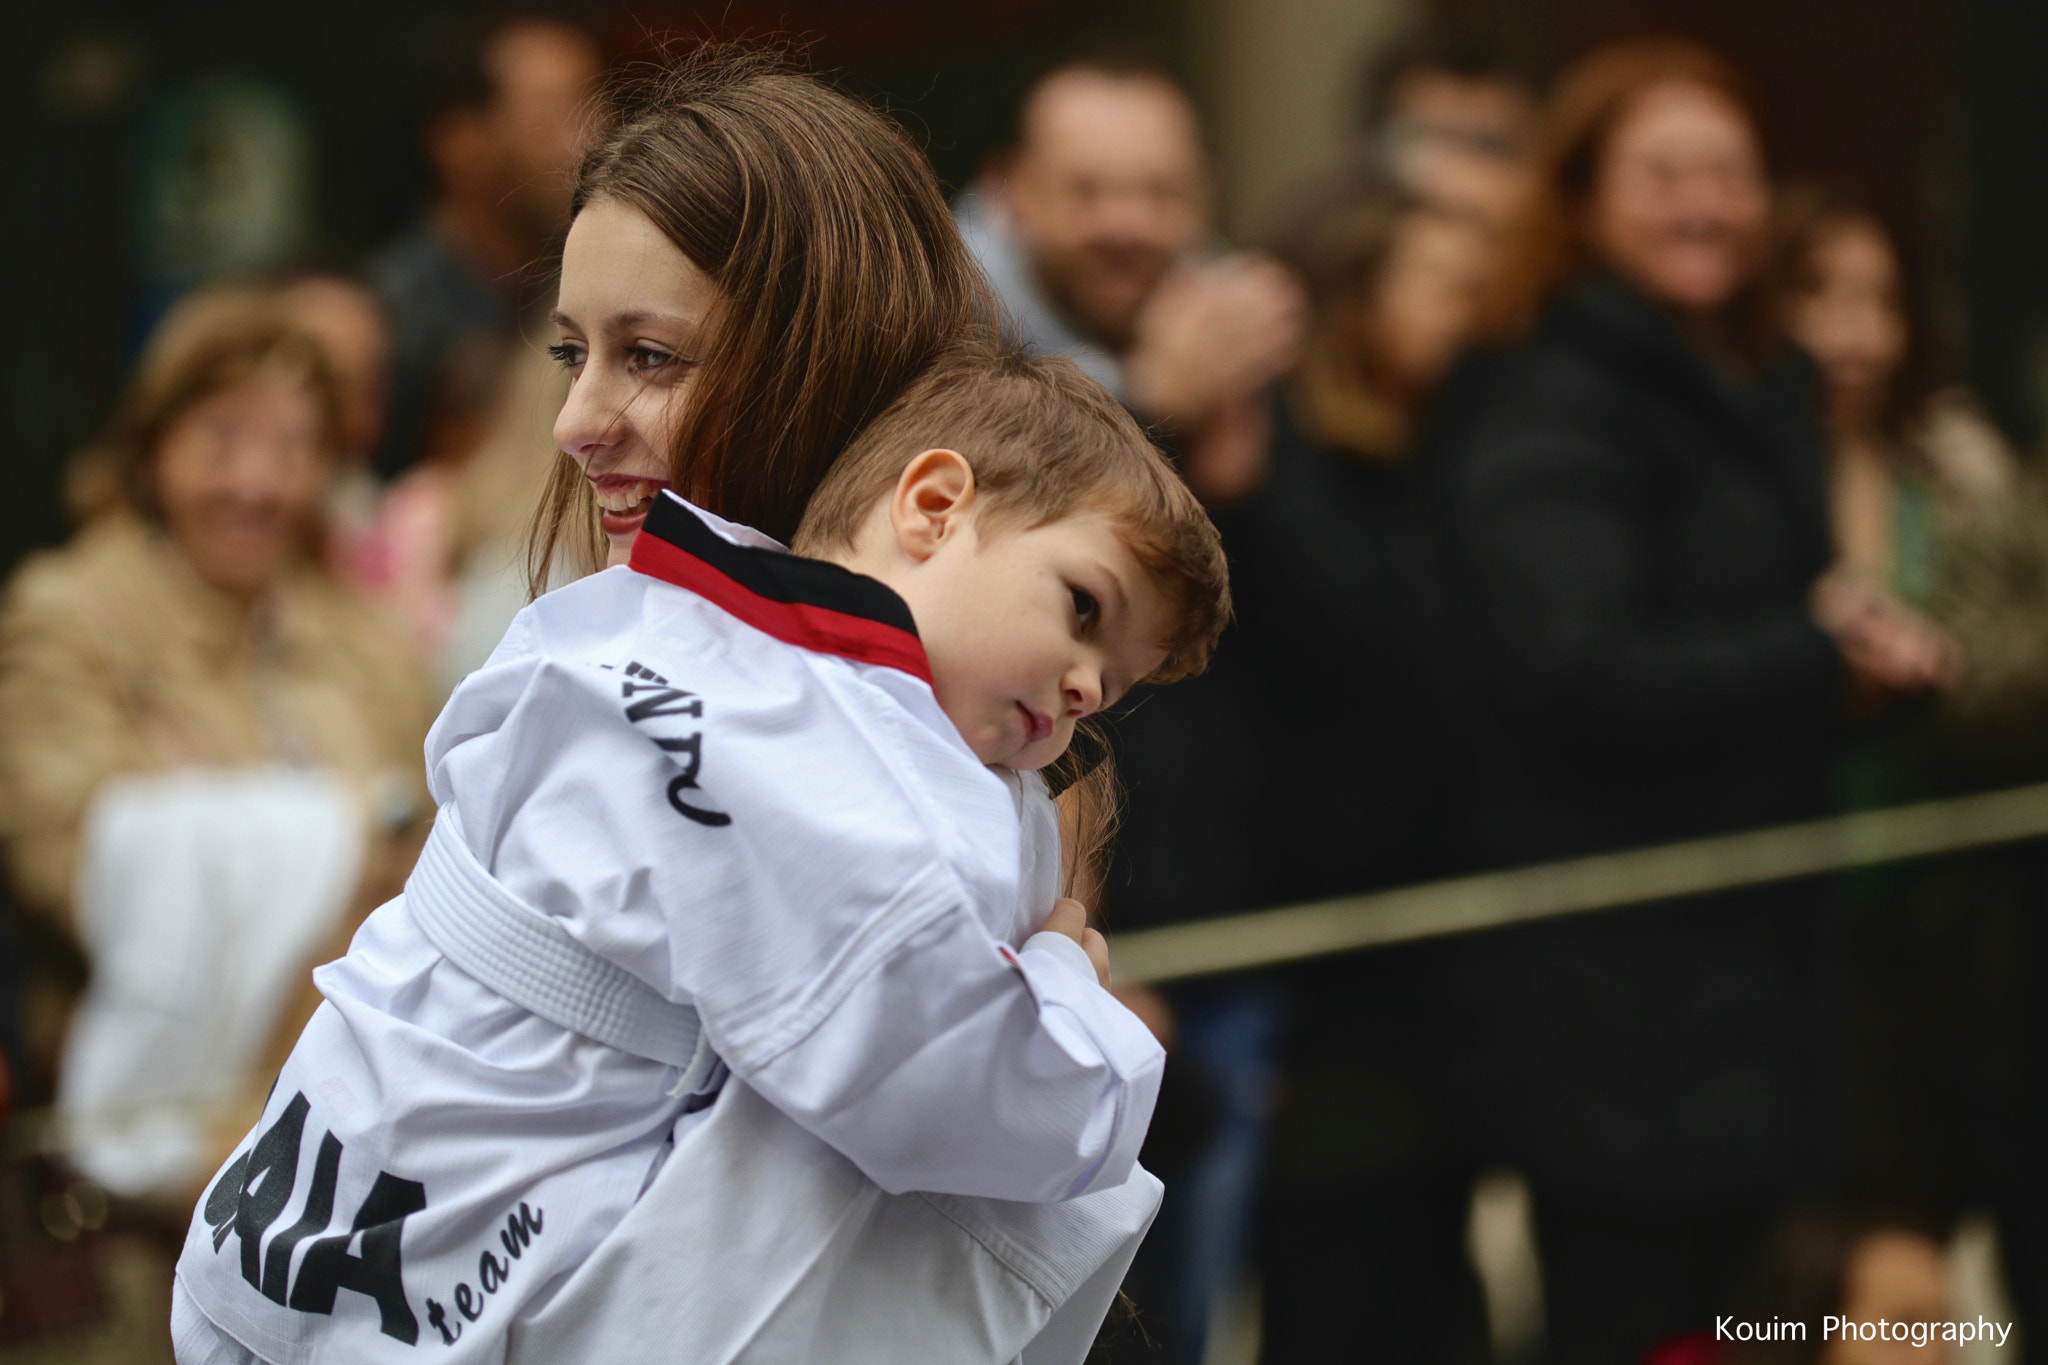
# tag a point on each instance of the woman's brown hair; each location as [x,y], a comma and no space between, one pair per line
[826,233]
[1807,213]
[1340,252]
[1546,244]
[213,339]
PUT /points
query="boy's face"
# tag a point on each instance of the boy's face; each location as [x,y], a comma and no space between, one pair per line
[1030,630]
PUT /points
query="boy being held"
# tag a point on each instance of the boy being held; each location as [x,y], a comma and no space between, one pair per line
[736,918]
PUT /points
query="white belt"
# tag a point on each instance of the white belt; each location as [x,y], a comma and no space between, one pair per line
[534,962]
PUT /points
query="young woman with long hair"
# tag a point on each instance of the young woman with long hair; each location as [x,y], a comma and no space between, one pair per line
[756,267]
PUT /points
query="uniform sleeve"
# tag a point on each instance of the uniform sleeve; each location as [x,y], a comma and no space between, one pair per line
[748,846]
[959,1067]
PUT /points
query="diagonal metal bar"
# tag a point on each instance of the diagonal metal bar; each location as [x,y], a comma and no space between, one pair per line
[1603,881]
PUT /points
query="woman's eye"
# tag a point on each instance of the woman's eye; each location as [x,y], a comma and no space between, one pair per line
[566,354]
[1085,609]
[646,358]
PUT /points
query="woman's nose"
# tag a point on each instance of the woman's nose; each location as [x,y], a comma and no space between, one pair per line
[590,422]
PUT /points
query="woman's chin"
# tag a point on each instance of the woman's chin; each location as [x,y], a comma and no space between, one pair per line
[620,531]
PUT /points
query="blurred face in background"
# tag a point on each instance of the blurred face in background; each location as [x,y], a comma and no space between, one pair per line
[517,152]
[1849,316]
[1427,298]
[1679,201]
[238,477]
[1458,141]
[1900,1277]
[1107,190]
[348,323]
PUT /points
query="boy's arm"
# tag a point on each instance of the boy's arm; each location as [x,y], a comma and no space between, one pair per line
[961,1067]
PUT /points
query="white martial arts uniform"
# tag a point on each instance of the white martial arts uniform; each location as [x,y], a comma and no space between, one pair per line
[721,776]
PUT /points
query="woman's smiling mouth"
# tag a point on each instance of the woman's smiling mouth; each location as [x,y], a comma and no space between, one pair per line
[623,502]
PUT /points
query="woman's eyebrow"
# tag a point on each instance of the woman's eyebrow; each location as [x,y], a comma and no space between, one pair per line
[622,321]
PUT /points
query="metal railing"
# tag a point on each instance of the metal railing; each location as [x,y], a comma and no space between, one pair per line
[1491,900]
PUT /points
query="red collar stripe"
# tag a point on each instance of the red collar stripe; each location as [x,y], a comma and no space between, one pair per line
[803,602]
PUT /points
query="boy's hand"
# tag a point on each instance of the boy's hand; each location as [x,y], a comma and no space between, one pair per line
[1070,917]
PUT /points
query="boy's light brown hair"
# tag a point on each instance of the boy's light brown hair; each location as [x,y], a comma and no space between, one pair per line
[1045,442]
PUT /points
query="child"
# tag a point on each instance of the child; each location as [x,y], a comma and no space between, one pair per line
[734,820]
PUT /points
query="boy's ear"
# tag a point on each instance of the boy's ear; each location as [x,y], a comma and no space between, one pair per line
[930,502]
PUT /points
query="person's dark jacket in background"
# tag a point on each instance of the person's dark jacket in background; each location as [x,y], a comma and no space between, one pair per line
[1301,764]
[450,332]
[1347,612]
[1309,759]
[1636,529]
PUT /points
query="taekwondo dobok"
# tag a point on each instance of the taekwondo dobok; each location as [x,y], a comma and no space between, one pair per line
[717,978]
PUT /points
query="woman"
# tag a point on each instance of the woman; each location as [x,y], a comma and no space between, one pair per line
[755,266]
[1634,490]
[1929,506]
[1927,502]
[189,698]
[1341,540]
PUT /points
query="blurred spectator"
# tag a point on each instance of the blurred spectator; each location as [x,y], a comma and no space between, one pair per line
[1342,607]
[507,121]
[1449,121]
[209,750]
[449,541]
[1865,1265]
[348,322]
[1929,505]
[1634,487]
[1091,226]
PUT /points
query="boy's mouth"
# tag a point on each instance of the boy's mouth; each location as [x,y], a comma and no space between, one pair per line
[1037,725]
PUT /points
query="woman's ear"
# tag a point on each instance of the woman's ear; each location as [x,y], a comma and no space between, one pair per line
[931,501]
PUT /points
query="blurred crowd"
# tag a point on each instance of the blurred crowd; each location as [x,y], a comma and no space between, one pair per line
[1586,487]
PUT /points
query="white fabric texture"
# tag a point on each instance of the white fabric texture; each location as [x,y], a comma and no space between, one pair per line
[203,894]
[529,959]
[796,844]
[833,1271]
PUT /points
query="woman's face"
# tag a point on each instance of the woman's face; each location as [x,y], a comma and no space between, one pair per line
[239,475]
[635,315]
[1679,200]
[1850,317]
[1428,293]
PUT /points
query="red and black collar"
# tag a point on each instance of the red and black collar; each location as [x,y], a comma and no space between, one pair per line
[803,602]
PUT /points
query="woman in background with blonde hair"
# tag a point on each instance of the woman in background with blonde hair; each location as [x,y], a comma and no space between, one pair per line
[209,749]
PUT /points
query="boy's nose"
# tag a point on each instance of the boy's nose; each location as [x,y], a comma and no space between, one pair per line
[1084,692]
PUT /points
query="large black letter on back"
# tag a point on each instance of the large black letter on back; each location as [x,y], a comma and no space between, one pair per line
[328,1267]
[237,1204]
